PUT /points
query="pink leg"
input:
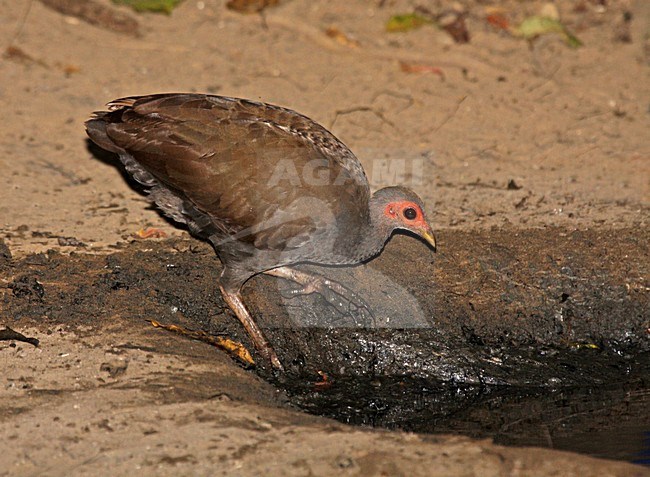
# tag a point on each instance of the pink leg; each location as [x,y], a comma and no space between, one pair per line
[236,304]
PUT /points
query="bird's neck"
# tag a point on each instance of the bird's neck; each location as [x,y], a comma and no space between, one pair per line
[373,236]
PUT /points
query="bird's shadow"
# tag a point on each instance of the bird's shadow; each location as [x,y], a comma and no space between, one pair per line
[113,160]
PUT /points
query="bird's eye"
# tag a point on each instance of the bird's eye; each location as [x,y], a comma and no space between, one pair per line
[410,213]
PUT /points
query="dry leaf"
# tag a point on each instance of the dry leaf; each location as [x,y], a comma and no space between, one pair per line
[341,37]
[250,6]
[150,232]
[420,68]
[454,23]
[17,54]
[498,20]
[96,13]
[69,70]
[234,348]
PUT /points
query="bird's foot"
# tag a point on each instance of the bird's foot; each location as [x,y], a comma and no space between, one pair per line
[344,300]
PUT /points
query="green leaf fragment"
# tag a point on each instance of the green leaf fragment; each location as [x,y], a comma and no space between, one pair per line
[406,22]
[536,25]
[157,6]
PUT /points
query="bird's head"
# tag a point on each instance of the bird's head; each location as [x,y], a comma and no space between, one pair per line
[395,208]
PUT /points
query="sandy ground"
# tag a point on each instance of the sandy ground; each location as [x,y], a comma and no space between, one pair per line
[104,405]
[569,127]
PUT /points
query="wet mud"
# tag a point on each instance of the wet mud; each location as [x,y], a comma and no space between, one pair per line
[543,307]
[500,334]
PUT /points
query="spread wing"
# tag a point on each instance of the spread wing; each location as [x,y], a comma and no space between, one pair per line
[265,174]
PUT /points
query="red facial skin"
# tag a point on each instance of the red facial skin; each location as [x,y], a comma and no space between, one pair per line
[395,211]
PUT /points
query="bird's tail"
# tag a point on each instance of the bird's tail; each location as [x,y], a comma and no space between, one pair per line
[96,129]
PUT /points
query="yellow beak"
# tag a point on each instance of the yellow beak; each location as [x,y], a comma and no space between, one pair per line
[428,236]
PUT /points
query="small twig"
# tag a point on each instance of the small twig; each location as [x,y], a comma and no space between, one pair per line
[21,23]
[449,116]
[380,115]
[394,94]
[10,335]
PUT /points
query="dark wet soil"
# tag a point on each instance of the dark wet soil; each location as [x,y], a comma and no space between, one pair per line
[476,312]
[610,420]
[529,337]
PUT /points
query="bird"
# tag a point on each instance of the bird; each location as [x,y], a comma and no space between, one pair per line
[268,187]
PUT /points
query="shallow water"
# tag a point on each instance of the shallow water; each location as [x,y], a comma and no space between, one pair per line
[605,421]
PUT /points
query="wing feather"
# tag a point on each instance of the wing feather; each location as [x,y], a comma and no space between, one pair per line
[221,155]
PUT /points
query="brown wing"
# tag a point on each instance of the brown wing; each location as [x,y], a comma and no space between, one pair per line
[267,174]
